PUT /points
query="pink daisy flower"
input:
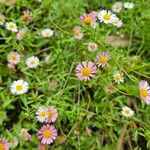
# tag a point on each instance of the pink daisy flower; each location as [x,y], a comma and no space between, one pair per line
[47,134]
[52,114]
[13,58]
[77,33]
[144,89]
[88,18]
[4,145]
[86,70]
[102,59]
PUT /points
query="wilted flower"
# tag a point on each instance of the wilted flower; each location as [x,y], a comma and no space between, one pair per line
[25,135]
[102,59]
[61,139]
[13,143]
[128,5]
[117,22]
[2,19]
[11,26]
[92,46]
[117,7]
[86,70]
[11,66]
[19,87]
[27,16]
[144,89]
[106,16]
[47,134]
[32,62]
[21,34]
[42,147]
[118,77]
[77,32]
[127,112]
[109,88]
[13,58]
[88,18]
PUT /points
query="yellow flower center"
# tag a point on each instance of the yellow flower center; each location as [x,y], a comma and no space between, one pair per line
[11,26]
[2,146]
[76,31]
[106,17]
[43,113]
[32,62]
[88,20]
[118,77]
[103,60]
[143,93]
[47,134]
[127,111]
[13,57]
[86,71]
[19,87]
[50,114]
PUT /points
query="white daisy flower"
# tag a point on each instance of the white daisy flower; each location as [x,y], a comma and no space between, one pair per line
[11,26]
[106,16]
[19,87]
[128,5]
[118,78]
[127,112]
[47,33]
[42,114]
[32,62]
[13,58]
[117,22]
[2,19]
[117,7]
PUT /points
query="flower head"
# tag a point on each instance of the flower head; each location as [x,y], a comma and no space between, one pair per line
[88,18]
[42,147]
[77,32]
[127,112]
[21,34]
[92,47]
[25,135]
[13,143]
[2,19]
[118,77]
[52,114]
[47,33]
[4,145]
[32,62]
[102,59]
[117,22]
[128,5]
[13,58]
[27,16]
[109,88]
[117,7]
[86,70]
[19,87]
[106,16]
[11,26]
[144,89]
[47,134]
[42,114]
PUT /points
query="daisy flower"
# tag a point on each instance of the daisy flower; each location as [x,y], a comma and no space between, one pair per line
[4,145]
[42,114]
[118,78]
[86,70]
[92,47]
[106,16]
[47,134]
[19,87]
[77,33]
[25,135]
[20,34]
[13,58]
[2,19]
[52,114]
[127,112]
[102,59]
[117,22]
[144,89]
[128,5]
[47,33]
[42,147]
[27,16]
[117,7]
[32,62]
[109,88]
[88,18]
[11,26]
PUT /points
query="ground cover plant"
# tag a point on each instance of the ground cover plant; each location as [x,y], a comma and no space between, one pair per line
[74,74]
